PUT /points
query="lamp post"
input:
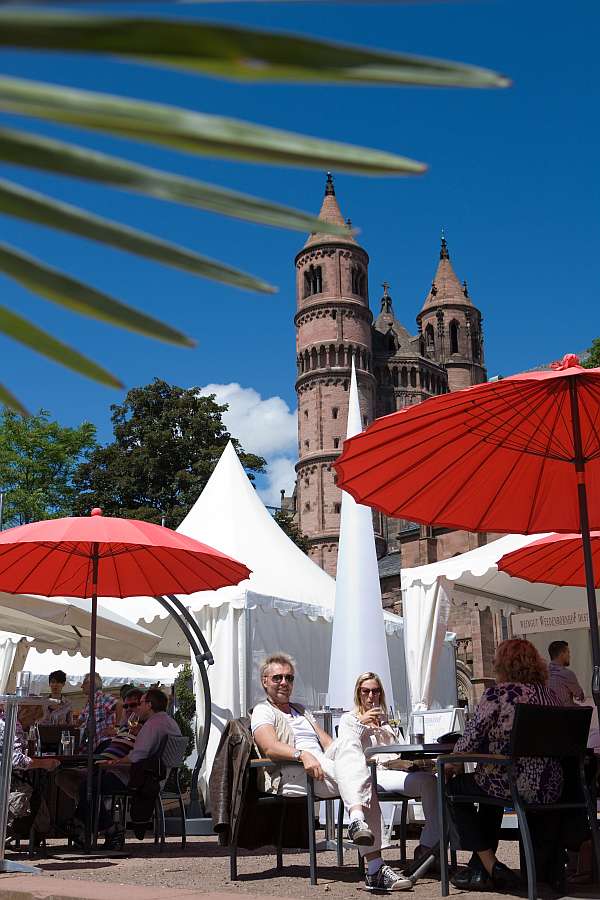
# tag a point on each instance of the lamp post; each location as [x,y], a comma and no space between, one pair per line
[1,509]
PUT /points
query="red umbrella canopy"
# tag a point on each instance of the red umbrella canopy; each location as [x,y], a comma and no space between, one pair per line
[556,559]
[55,557]
[495,457]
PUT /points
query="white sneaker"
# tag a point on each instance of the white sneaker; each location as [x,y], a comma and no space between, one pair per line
[360,833]
[386,880]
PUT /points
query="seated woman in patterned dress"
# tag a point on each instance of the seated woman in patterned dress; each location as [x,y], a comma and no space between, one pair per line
[521,677]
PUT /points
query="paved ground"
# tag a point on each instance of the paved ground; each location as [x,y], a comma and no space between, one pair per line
[203,868]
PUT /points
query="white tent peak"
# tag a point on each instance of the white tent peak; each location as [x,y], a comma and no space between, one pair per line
[230,516]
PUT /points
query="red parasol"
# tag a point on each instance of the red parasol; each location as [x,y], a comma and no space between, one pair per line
[108,557]
[521,454]
[556,559]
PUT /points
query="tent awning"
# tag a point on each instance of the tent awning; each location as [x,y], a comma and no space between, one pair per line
[475,575]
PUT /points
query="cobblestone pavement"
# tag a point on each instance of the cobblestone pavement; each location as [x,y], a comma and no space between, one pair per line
[204,867]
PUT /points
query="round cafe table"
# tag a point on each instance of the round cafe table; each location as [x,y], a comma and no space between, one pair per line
[10,702]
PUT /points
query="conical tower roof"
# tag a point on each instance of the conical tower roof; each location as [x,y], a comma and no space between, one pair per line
[330,212]
[446,287]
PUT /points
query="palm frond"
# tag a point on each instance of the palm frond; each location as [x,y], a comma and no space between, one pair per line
[81,298]
[193,132]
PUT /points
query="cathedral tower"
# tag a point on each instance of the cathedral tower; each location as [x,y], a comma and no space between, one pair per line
[450,327]
[333,326]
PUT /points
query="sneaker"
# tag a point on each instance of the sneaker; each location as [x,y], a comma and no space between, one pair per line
[386,880]
[360,833]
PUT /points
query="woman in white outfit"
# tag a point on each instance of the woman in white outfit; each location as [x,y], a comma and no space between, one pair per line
[368,719]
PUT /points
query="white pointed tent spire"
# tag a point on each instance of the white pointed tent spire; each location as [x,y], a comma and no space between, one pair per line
[230,516]
[358,642]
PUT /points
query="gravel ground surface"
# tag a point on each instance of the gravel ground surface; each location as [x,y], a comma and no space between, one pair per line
[204,867]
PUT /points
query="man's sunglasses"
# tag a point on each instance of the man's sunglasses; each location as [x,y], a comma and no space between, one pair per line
[279,678]
[130,705]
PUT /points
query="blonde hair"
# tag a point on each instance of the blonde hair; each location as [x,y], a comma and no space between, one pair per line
[518,661]
[368,676]
[279,658]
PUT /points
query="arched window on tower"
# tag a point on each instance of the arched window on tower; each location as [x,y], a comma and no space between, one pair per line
[358,281]
[313,281]
[429,338]
[454,327]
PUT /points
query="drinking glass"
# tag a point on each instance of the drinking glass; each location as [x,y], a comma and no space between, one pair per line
[23,684]
[323,700]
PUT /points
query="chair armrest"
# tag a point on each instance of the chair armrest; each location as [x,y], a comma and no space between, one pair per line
[264,762]
[495,758]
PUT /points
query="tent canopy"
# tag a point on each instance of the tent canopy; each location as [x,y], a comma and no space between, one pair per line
[475,574]
[230,516]
[64,624]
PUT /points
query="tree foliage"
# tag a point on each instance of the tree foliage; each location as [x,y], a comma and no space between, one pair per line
[38,458]
[167,441]
[287,524]
[592,360]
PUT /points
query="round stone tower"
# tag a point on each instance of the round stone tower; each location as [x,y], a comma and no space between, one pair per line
[333,326]
[450,327]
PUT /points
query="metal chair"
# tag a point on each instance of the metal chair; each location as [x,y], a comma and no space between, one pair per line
[304,805]
[170,755]
[173,756]
[538,731]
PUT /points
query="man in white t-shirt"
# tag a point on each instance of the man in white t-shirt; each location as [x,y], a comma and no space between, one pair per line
[287,732]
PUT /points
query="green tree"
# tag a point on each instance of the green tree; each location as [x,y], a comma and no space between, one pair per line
[287,524]
[221,50]
[592,360]
[37,460]
[167,441]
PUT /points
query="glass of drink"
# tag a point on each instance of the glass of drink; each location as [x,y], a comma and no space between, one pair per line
[23,683]
[65,743]
[323,701]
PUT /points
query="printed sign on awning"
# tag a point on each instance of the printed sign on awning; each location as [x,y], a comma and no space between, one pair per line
[552,620]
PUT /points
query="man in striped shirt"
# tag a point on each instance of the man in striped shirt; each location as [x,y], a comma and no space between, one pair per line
[560,678]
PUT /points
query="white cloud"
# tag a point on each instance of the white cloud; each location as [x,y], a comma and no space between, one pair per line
[281,474]
[266,427]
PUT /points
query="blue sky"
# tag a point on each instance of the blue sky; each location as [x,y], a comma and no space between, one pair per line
[513,179]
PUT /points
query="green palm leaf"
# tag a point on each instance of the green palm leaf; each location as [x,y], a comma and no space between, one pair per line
[35,151]
[81,298]
[9,400]
[193,132]
[35,338]
[228,51]
[25,204]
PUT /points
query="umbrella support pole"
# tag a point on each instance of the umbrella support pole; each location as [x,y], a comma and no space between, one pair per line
[91,723]
[590,582]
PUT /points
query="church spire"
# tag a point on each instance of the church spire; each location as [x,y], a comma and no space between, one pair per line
[445,287]
[331,212]
[386,300]
[444,254]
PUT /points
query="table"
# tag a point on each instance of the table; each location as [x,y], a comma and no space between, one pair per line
[411,751]
[10,702]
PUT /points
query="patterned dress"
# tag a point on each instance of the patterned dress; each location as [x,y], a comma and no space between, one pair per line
[539,780]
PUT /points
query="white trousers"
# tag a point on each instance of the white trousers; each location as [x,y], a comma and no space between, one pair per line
[347,776]
[415,784]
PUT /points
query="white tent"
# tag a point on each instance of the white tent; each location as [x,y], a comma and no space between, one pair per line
[286,604]
[63,624]
[474,576]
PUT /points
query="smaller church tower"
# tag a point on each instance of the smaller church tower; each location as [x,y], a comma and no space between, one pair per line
[450,327]
[333,327]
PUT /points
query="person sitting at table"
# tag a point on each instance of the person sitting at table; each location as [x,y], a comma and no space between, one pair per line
[105,711]
[131,770]
[561,679]
[521,677]
[24,805]
[286,731]
[368,721]
[57,709]
[130,705]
